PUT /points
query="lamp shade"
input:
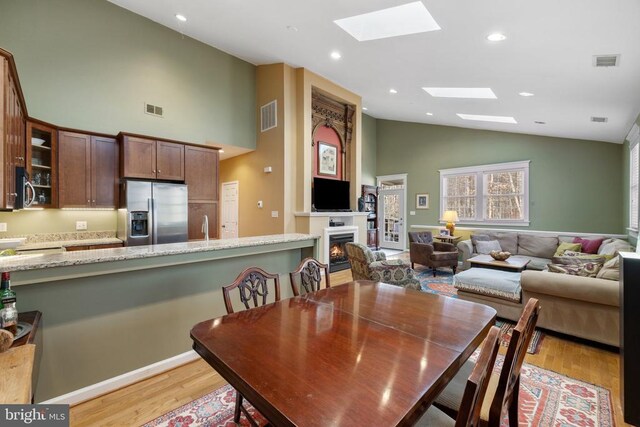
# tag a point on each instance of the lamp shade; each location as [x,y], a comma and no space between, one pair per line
[450,216]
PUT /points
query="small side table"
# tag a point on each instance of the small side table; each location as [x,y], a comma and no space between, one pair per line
[448,239]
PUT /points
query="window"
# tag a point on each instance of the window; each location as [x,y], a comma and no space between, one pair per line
[490,194]
[633,138]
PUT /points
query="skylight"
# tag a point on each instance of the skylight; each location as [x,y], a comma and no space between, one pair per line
[481,118]
[460,92]
[410,18]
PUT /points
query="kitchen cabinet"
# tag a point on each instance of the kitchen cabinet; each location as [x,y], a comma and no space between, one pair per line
[201,173]
[151,159]
[42,163]
[91,247]
[197,211]
[201,177]
[88,171]
[13,115]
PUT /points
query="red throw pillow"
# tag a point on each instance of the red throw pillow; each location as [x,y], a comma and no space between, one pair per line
[589,246]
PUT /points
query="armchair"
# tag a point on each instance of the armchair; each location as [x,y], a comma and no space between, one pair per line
[423,250]
[369,265]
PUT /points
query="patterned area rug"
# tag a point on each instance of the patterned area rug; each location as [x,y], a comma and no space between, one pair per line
[442,284]
[546,399]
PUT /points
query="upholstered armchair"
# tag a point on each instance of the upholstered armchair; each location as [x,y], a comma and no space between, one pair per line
[373,265]
[423,250]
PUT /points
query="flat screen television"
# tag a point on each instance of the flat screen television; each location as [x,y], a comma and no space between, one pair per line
[330,195]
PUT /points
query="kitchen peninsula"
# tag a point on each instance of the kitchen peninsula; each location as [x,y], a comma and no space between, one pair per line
[107,312]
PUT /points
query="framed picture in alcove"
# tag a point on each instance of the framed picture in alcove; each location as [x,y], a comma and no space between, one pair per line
[327,159]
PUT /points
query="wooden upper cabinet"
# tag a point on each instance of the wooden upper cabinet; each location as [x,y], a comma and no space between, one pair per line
[201,173]
[88,174]
[12,130]
[138,157]
[151,159]
[170,161]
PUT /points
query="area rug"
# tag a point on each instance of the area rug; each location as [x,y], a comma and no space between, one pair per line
[506,329]
[546,399]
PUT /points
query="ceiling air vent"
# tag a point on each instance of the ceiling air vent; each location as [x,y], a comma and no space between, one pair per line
[599,119]
[153,110]
[606,60]
[268,116]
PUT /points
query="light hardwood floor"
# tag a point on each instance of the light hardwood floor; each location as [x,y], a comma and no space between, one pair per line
[148,399]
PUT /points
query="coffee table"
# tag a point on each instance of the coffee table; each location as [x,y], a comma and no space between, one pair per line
[515,264]
[362,353]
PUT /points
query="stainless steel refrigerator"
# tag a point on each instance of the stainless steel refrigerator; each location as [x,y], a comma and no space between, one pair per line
[152,213]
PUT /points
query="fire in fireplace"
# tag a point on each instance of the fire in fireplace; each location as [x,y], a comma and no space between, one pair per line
[337,253]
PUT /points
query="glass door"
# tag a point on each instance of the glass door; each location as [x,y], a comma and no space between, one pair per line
[392,221]
[41,163]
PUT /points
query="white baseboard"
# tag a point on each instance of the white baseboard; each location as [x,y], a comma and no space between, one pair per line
[128,378]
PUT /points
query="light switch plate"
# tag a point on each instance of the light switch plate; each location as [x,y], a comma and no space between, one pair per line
[274,214]
[3,226]
[412,212]
[81,225]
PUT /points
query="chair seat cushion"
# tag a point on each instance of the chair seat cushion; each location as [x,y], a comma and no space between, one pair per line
[451,396]
[444,256]
[494,283]
[434,417]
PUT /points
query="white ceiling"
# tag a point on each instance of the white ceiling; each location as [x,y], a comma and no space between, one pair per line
[548,51]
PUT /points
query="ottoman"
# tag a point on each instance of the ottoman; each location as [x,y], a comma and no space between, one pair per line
[498,289]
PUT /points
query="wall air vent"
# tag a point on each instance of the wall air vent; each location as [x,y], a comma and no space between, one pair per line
[153,110]
[606,60]
[268,116]
[599,119]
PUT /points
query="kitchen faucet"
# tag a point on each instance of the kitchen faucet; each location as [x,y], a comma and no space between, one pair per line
[205,227]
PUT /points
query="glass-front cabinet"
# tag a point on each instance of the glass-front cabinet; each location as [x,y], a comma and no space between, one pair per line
[42,163]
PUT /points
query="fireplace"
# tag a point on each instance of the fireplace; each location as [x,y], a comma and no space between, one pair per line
[337,252]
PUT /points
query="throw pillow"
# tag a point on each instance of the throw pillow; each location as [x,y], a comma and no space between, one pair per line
[589,246]
[578,259]
[610,270]
[475,238]
[587,269]
[613,246]
[508,241]
[566,246]
[486,247]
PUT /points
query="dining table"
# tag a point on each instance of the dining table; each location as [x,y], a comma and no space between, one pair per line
[362,353]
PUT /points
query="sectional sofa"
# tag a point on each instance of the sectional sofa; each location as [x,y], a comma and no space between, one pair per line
[585,307]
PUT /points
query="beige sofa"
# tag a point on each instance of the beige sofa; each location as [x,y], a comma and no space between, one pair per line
[584,307]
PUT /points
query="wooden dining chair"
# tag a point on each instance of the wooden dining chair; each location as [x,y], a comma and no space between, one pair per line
[502,395]
[474,391]
[309,275]
[253,284]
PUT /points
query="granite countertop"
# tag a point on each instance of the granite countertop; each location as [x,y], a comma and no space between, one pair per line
[67,243]
[39,261]
[66,239]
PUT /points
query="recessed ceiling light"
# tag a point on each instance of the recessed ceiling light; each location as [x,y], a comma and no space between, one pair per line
[481,118]
[526,94]
[496,37]
[429,114]
[364,108]
[336,55]
[393,91]
[538,122]
[460,92]
[181,18]
[410,18]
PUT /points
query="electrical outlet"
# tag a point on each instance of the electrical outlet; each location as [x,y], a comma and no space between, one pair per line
[81,225]
[274,214]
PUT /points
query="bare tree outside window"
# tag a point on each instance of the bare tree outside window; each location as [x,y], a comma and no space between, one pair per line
[504,195]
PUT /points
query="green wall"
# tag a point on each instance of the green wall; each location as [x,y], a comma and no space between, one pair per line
[369,149]
[572,182]
[91,65]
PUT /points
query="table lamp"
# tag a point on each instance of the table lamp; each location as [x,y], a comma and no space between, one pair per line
[451,217]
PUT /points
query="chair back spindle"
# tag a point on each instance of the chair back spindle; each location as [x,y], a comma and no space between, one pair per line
[253,286]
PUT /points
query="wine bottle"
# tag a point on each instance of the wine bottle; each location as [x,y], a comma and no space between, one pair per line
[8,313]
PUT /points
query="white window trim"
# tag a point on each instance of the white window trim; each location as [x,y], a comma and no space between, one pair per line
[480,171]
[634,138]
